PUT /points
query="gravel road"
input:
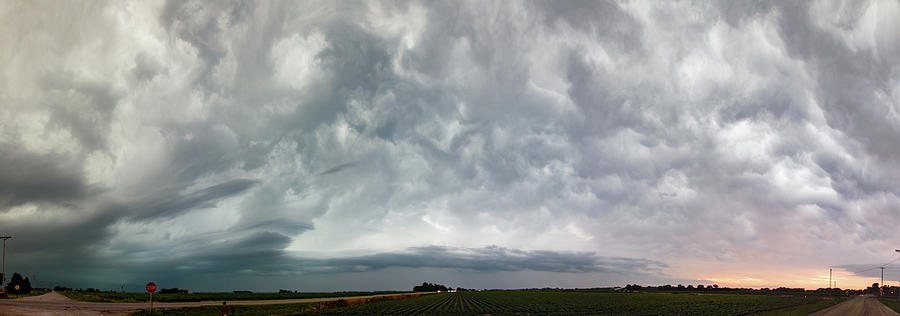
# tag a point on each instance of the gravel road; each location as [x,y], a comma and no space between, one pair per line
[860,305]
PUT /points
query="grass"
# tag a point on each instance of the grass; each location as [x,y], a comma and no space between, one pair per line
[804,309]
[243,310]
[891,303]
[271,309]
[588,303]
[33,293]
[111,297]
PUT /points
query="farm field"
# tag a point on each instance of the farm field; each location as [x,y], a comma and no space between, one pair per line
[109,297]
[588,303]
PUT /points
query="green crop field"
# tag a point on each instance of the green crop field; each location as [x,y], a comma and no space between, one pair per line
[198,297]
[587,303]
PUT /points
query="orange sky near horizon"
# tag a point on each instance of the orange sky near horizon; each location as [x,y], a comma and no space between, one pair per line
[807,278]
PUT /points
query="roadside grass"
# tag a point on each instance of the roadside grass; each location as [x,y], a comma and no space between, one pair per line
[243,310]
[891,303]
[804,309]
[274,309]
[33,293]
[113,297]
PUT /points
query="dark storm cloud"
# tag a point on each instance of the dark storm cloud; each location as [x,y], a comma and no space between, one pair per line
[165,204]
[32,177]
[490,258]
[262,254]
[261,251]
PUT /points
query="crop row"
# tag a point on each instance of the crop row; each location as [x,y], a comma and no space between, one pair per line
[574,303]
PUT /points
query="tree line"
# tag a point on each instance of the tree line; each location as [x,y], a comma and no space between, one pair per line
[777,291]
[434,287]
[18,285]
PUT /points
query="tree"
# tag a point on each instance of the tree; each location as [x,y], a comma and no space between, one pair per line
[173,290]
[18,285]
[428,287]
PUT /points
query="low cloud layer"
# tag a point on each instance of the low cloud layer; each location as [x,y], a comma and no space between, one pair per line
[661,140]
[490,258]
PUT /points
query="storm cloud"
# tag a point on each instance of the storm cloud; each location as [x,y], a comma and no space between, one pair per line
[490,258]
[663,142]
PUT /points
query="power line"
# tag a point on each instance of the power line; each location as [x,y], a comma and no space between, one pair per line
[878,267]
[869,269]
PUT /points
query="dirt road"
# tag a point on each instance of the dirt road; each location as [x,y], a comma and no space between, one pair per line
[53,303]
[860,305]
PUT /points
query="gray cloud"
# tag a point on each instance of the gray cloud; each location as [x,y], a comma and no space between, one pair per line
[166,204]
[261,254]
[32,177]
[709,134]
[337,168]
[872,270]
[490,258]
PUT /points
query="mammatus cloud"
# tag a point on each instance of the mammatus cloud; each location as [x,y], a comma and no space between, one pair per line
[580,137]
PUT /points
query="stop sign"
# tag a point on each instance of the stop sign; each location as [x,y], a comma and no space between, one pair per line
[151,287]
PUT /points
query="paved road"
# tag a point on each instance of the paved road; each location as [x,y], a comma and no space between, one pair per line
[860,305]
[52,304]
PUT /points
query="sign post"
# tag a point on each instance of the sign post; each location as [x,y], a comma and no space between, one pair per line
[151,287]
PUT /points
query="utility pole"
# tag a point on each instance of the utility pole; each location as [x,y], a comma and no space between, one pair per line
[829,278]
[882,282]
[3,272]
[898,288]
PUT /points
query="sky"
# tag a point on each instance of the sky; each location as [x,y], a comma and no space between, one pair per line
[368,145]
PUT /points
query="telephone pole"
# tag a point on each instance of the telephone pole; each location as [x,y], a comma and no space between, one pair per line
[829,278]
[881,290]
[898,287]
[3,272]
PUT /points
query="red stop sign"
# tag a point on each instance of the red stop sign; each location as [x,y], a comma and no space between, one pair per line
[151,287]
